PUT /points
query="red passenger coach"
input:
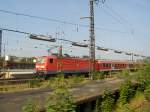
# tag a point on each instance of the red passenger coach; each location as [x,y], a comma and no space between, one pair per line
[120,65]
[104,65]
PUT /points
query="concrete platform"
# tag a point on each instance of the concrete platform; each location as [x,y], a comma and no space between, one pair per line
[18,73]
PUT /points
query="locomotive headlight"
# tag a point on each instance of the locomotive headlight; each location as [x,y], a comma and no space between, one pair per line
[42,67]
[37,66]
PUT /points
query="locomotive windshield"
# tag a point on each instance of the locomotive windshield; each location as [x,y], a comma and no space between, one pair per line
[41,60]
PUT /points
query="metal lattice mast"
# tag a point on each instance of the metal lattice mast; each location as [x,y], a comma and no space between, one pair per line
[92,39]
[60,51]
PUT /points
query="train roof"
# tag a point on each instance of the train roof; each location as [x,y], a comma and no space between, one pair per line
[53,56]
[115,61]
[98,60]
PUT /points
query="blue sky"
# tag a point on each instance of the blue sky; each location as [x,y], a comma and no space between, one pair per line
[129,16]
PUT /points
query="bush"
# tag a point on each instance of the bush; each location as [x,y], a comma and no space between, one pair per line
[60,100]
[58,82]
[147,94]
[34,83]
[98,105]
[98,75]
[126,92]
[125,108]
[143,76]
[108,101]
[30,106]
[77,79]
[125,73]
[141,86]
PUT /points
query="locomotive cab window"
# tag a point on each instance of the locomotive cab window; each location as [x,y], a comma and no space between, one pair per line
[51,60]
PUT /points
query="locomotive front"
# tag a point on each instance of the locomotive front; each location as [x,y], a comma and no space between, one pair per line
[40,66]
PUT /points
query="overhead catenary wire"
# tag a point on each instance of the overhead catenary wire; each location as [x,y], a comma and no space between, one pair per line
[23,32]
[123,19]
[114,17]
[17,31]
[60,21]
[117,17]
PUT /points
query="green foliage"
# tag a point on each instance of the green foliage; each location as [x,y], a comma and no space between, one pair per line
[108,101]
[147,94]
[98,75]
[123,74]
[126,92]
[141,86]
[77,79]
[34,83]
[143,77]
[125,108]
[30,106]
[144,74]
[98,105]
[60,100]
[60,73]
[58,82]
[146,109]
[61,82]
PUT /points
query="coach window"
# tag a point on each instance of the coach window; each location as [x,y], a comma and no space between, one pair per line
[103,64]
[51,60]
[116,65]
[107,65]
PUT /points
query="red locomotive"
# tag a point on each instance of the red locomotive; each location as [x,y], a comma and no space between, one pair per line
[48,65]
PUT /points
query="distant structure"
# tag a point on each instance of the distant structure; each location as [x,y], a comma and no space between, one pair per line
[0,43]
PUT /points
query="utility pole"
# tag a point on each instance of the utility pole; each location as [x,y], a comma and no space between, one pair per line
[92,37]
[92,40]
[132,57]
[60,51]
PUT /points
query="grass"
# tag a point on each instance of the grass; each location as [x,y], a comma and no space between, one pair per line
[65,82]
[137,104]
[53,83]
[13,88]
[129,75]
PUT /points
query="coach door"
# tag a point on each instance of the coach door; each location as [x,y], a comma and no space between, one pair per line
[59,65]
